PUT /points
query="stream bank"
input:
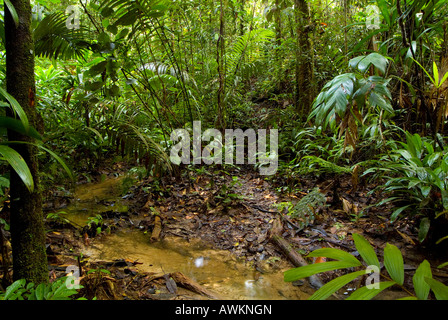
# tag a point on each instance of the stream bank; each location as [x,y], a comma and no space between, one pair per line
[111,231]
[214,231]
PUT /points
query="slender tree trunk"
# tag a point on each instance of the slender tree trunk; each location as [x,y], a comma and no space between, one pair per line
[220,121]
[27,225]
[278,43]
[242,16]
[304,61]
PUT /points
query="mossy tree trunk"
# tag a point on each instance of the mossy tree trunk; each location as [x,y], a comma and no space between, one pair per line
[27,225]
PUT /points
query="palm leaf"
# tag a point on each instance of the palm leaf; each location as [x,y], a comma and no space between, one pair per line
[331,287]
[245,47]
[19,165]
[54,40]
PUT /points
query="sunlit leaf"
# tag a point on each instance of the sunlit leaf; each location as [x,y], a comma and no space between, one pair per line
[367,293]
[335,254]
[19,165]
[393,261]
[309,270]
[421,287]
[16,107]
[331,287]
[13,12]
[366,250]
[440,290]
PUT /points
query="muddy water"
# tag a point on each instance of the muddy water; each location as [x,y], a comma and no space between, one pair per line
[95,198]
[216,270]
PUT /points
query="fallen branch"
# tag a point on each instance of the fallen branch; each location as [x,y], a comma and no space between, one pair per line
[295,257]
[157,228]
[187,283]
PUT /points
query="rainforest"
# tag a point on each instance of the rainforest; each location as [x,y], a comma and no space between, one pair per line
[223,150]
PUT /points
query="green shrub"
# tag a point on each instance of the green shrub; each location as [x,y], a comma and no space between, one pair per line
[394,276]
[417,179]
[20,290]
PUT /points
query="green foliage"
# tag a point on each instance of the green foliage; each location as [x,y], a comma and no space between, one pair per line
[227,194]
[245,51]
[416,176]
[342,101]
[58,217]
[54,40]
[96,223]
[306,208]
[20,290]
[394,276]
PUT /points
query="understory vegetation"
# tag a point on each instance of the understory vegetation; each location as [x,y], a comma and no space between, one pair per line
[358,96]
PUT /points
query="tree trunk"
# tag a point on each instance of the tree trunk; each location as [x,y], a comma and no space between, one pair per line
[27,225]
[278,42]
[304,61]
[220,120]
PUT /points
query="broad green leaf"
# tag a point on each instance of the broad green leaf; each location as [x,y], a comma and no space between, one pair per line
[128,18]
[423,229]
[440,290]
[336,254]
[19,165]
[366,250]
[107,12]
[13,288]
[40,291]
[97,68]
[374,58]
[355,61]
[364,293]
[393,261]
[421,287]
[93,86]
[16,108]
[17,125]
[331,287]
[311,269]
[13,12]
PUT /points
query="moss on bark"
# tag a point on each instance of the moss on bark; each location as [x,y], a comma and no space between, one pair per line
[27,224]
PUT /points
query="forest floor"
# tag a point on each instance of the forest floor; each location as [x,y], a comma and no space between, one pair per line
[229,209]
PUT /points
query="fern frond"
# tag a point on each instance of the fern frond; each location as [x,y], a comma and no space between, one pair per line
[245,48]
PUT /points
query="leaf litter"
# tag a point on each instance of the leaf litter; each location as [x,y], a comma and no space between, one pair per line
[231,209]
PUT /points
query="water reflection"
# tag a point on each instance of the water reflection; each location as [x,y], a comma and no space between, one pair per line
[216,270]
[199,262]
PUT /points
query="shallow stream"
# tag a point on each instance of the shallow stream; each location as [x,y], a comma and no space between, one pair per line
[216,270]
